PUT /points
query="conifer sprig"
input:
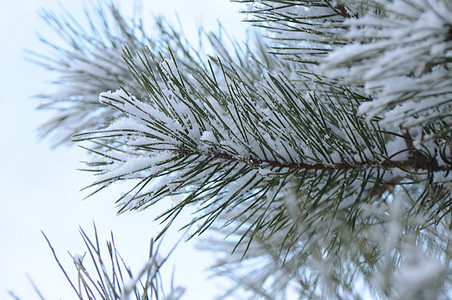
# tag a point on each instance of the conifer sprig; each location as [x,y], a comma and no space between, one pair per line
[301,31]
[87,56]
[108,277]
[278,157]
[317,259]
[222,142]
[399,52]
[87,61]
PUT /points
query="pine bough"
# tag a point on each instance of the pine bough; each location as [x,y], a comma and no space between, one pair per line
[323,152]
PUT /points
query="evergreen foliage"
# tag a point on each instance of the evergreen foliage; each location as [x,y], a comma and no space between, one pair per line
[322,151]
[113,279]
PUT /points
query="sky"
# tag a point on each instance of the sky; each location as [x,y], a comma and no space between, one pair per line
[40,186]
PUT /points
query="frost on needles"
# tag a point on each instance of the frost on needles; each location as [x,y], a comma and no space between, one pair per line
[400,54]
[322,152]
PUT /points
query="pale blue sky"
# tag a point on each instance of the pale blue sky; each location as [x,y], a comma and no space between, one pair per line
[40,187]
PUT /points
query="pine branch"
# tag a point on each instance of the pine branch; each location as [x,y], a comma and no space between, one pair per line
[301,31]
[399,55]
[278,157]
[183,144]
[119,283]
[314,254]
[416,161]
[89,61]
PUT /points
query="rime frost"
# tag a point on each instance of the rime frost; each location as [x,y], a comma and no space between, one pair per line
[402,59]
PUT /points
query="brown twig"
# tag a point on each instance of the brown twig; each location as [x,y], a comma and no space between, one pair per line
[340,9]
[417,160]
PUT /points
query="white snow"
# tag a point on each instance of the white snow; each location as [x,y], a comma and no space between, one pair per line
[421,273]
[208,136]
[397,57]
